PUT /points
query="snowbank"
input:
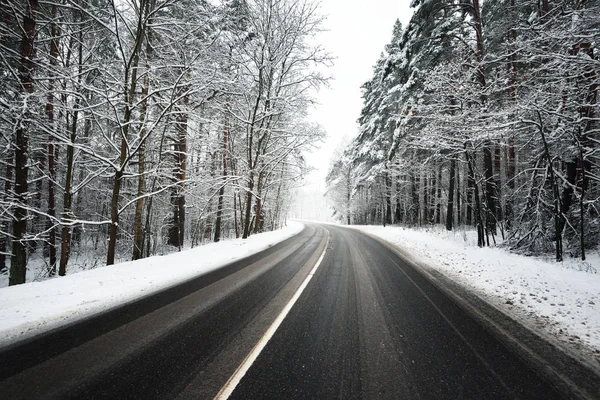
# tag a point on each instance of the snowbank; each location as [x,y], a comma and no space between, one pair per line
[564,297]
[29,309]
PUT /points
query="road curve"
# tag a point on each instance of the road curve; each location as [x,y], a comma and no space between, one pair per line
[367,325]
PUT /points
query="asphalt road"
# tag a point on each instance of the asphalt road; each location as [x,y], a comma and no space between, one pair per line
[367,325]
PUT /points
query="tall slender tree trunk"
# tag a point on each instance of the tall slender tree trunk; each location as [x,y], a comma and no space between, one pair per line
[65,249]
[5,221]
[276,216]
[490,192]
[458,193]
[498,181]
[248,210]
[348,196]
[398,215]
[138,228]
[77,210]
[414,198]
[512,91]
[241,211]
[235,218]
[37,222]
[490,187]
[432,196]
[583,187]
[177,229]
[138,231]
[388,198]
[477,209]
[129,89]
[258,204]
[470,201]
[558,215]
[222,188]
[51,244]
[450,208]
[18,265]
[438,201]
[425,206]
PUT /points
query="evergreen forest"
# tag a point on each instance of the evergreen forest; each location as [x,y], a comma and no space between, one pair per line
[484,116]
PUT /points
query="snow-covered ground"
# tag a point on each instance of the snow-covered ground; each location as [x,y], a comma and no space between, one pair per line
[563,299]
[29,309]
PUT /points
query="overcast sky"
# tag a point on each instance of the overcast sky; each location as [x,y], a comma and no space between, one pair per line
[357,31]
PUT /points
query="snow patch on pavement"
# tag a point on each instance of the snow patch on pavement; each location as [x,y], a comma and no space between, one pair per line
[562,299]
[30,309]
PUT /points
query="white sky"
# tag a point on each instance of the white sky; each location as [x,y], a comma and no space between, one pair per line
[357,31]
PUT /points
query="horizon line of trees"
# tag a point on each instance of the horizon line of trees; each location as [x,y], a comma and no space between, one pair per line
[482,115]
[141,126]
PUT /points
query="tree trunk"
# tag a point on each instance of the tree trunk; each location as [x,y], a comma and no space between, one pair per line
[581,202]
[398,215]
[258,204]
[498,181]
[470,189]
[222,188]
[458,193]
[235,220]
[348,195]
[388,198]
[432,197]
[512,90]
[450,209]
[414,198]
[65,250]
[177,229]
[278,200]
[248,206]
[147,228]
[490,188]
[5,221]
[36,221]
[567,194]
[51,244]
[558,218]
[67,214]
[477,208]
[241,211]
[129,86]
[18,265]
[438,203]
[138,230]
[425,207]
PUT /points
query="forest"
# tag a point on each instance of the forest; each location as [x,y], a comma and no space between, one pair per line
[131,128]
[484,116]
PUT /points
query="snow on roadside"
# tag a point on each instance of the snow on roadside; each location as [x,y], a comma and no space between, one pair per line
[32,308]
[559,298]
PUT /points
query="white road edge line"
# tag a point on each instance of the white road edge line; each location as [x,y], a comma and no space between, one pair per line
[237,376]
